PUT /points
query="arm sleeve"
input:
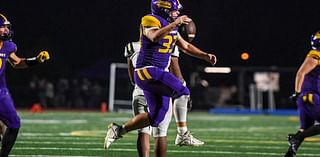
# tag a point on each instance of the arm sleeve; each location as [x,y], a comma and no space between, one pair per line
[12,47]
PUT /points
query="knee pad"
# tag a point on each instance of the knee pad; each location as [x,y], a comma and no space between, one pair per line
[13,122]
[183,91]
[159,132]
[146,130]
[162,127]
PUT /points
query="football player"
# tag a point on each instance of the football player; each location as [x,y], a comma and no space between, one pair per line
[158,36]
[307,97]
[8,113]
[139,105]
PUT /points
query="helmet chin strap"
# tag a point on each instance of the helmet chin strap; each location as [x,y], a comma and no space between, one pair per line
[6,37]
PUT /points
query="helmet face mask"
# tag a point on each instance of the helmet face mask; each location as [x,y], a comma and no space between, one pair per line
[315,41]
[164,8]
[5,23]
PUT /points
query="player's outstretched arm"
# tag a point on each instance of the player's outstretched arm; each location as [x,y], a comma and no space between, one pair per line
[21,63]
[196,52]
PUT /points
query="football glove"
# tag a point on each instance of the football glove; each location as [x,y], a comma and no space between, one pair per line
[294,96]
[43,56]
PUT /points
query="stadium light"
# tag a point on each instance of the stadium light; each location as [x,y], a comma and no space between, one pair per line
[217,69]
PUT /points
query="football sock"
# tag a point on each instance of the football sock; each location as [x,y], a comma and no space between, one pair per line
[9,138]
[312,131]
[122,130]
[180,112]
[182,130]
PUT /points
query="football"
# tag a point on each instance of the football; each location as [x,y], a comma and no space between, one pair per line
[188,32]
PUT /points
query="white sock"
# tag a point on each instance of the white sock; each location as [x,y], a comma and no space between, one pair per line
[180,112]
[182,130]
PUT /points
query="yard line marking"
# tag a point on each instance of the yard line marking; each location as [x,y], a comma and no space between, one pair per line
[169,151]
[202,118]
[133,144]
[221,152]
[221,118]
[116,119]
[242,129]
[57,148]
[93,135]
[50,156]
[50,121]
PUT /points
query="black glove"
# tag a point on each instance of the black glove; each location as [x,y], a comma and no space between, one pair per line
[294,96]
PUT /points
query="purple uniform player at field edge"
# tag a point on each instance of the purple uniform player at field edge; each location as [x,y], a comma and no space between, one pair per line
[158,36]
[8,113]
[307,97]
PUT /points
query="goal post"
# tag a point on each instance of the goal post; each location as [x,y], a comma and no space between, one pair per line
[113,100]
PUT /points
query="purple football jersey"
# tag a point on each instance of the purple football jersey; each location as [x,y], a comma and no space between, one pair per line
[155,53]
[8,113]
[309,99]
[7,48]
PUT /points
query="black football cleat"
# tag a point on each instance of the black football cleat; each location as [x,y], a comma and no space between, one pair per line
[294,143]
[289,154]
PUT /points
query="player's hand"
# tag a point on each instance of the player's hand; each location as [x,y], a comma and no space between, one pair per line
[184,19]
[211,58]
[294,96]
[43,56]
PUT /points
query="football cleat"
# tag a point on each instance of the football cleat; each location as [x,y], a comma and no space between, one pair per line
[289,154]
[187,140]
[112,134]
[294,143]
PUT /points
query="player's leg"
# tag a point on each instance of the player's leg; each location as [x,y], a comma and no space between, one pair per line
[180,113]
[3,128]
[143,144]
[116,131]
[160,146]
[160,132]
[306,122]
[10,117]
[139,105]
[156,114]
[174,88]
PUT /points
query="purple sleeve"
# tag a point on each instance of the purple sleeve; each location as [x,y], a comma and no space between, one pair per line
[12,47]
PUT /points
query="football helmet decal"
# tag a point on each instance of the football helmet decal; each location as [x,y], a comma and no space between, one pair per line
[164,7]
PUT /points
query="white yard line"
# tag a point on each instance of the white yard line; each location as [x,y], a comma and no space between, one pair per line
[133,144]
[169,151]
[50,156]
[49,121]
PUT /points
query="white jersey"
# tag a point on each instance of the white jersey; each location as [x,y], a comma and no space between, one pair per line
[132,50]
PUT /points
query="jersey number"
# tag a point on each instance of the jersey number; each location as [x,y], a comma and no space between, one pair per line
[0,63]
[168,44]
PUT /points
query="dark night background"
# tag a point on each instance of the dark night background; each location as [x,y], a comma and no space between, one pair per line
[86,35]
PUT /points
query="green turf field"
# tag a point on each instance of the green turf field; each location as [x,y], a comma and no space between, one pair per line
[82,134]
